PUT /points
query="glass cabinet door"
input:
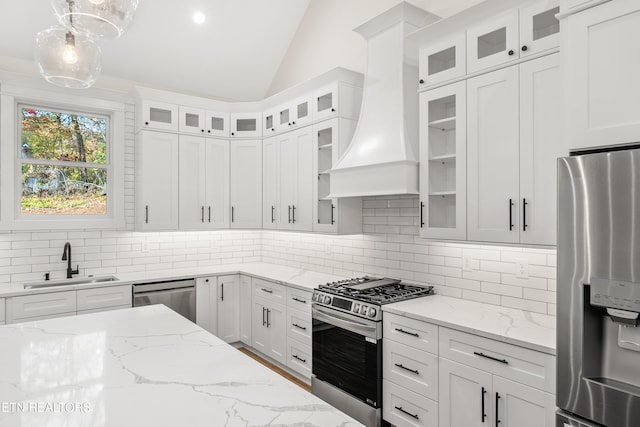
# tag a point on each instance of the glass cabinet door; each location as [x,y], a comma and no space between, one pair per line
[217,123]
[443,60]
[159,115]
[539,27]
[325,102]
[301,110]
[246,125]
[493,42]
[191,120]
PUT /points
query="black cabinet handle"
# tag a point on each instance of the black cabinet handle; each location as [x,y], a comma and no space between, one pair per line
[421,81]
[268,319]
[399,408]
[289,213]
[269,291]
[402,331]
[299,300]
[482,414]
[293,214]
[146,123]
[232,213]
[401,366]
[233,133]
[524,214]
[333,208]
[209,131]
[497,402]
[209,213]
[264,322]
[511,52]
[298,326]
[202,214]
[421,214]
[293,123]
[510,214]
[202,130]
[146,214]
[333,110]
[221,291]
[273,208]
[495,359]
[524,48]
[300,358]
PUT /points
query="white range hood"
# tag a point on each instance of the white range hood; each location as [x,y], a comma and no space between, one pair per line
[382,158]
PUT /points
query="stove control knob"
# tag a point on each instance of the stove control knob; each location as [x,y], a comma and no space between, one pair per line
[356,308]
[363,309]
[327,299]
[372,312]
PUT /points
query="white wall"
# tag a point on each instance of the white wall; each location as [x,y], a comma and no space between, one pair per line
[325,37]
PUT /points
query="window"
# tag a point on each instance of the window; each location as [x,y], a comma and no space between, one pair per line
[63,158]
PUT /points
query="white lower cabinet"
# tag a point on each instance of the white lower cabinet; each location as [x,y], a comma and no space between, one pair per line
[228,308]
[206,298]
[414,369]
[245,309]
[299,357]
[268,334]
[402,407]
[102,299]
[40,306]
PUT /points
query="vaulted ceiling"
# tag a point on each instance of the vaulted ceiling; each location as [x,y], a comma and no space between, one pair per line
[234,55]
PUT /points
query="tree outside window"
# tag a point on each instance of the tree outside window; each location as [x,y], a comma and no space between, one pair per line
[64,162]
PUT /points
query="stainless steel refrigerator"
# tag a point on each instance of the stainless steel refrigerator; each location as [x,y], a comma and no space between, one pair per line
[598,354]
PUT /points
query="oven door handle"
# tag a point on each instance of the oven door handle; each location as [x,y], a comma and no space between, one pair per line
[330,317]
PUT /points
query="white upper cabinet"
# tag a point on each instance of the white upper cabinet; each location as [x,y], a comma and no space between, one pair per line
[270,182]
[246,184]
[192,120]
[539,27]
[269,122]
[156,181]
[601,69]
[159,116]
[246,125]
[302,111]
[217,124]
[443,60]
[296,177]
[493,42]
[325,102]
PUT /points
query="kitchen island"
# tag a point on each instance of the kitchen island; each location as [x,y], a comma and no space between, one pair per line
[144,366]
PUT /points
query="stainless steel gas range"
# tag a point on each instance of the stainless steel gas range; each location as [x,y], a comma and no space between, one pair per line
[347,342]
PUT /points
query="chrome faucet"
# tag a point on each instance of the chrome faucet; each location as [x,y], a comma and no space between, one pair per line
[66,256]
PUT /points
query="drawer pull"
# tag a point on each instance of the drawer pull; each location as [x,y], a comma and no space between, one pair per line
[300,358]
[299,300]
[402,331]
[269,291]
[495,359]
[399,408]
[401,366]
[299,327]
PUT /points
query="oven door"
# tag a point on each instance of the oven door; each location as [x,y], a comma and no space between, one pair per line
[347,353]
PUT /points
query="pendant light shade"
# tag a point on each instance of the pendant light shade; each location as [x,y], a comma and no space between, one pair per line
[66,59]
[102,19]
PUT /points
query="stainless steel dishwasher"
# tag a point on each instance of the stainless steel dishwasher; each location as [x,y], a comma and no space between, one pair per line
[178,295]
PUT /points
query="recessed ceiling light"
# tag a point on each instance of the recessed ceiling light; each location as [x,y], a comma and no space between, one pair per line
[199,18]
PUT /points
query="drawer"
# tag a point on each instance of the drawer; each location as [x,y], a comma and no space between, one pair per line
[111,296]
[269,291]
[402,407]
[299,299]
[411,332]
[299,357]
[413,369]
[101,309]
[299,326]
[516,363]
[2,315]
[28,306]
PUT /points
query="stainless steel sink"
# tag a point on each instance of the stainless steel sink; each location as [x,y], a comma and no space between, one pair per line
[67,282]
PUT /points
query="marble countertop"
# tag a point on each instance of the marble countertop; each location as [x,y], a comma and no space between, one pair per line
[296,277]
[144,366]
[513,326]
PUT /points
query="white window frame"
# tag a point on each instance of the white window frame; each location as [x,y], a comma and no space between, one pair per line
[11,217]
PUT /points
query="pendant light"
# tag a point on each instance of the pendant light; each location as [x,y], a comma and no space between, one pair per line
[102,19]
[66,59]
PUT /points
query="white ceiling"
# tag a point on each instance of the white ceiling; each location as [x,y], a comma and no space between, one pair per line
[234,55]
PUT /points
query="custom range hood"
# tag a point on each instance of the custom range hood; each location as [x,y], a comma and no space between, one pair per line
[382,158]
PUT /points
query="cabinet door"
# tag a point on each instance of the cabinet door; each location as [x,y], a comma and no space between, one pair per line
[217,184]
[206,304]
[492,150]
[296,179]
[245,310]
[192,182]
[217,124]
[246,125]
[157,181]
[601,75]
[269,120]
[284,117]
[443,162]
[522,406]
[301,109]
[541,144]
[271,210]
[287,168]
[228,308]
[192,120]
[539,28]
[493,42]
[159,116]
[277,327]
[443,60]
[246,184]
[325,102]
[260,339]
[465,396]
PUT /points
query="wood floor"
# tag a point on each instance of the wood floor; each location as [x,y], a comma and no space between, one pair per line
[276,369]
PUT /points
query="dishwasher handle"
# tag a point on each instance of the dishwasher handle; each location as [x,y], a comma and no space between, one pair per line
[164,292]
[163,286]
